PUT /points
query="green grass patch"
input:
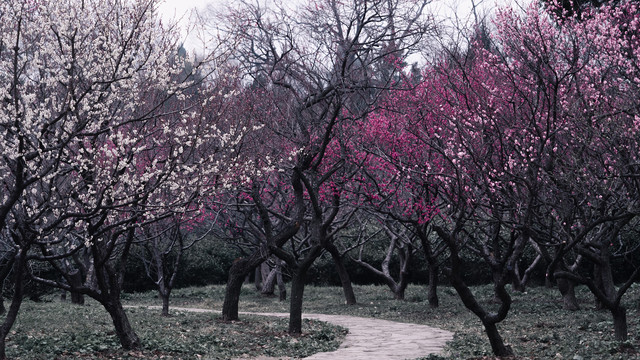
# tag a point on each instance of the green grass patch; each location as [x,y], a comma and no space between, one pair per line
[537,326]
[54,330]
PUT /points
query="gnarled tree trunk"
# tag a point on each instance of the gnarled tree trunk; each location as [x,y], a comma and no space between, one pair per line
[237,273]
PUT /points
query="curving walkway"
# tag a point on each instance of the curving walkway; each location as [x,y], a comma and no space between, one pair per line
[370,338]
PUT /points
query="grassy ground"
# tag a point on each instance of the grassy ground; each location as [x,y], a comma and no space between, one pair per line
[55,330]
[536,328]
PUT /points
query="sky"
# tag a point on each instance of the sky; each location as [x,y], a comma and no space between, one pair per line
[180,10]
[177,8]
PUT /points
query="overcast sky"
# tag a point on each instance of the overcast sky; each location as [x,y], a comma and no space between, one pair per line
[180,9]
[177,8]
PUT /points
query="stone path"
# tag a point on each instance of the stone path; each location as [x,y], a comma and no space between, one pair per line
[370,338]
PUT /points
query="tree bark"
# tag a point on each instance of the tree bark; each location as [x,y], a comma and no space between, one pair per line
[239,270]
[432,289]
[432,267]
[517,281]
[297,290]
[398,293]
[268,280]
[257,278]
[4,273]
[498,346]
[165,303]
[282,289]
[128,338]
[620,323]
[489,320]
[603,278]
[232,292]
[345,279]
[295,310]
[567,289]
[76,282]
[16,301]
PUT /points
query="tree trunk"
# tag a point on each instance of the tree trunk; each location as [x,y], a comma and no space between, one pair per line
[398,292]
[432,289]
[620,323]
[297,290]
[497,344]
[165,303]
[3,309]
[257,278]
[128,338]
[4,273]
[232,293]
[432,267]
[603,278]
[468,299]
[567,289]
[16,302]
[517,282]
[75,278]
[345,279]
[295,310]
[239,270]
[91,281]
[281,287]
[269,281]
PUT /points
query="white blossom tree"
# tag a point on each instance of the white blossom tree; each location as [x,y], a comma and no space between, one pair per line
[89,149]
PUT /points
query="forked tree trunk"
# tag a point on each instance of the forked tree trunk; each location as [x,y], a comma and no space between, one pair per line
[567,289]
[489,320]
[498,346]
[604,281]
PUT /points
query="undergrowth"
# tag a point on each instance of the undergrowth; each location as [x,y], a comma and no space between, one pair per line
[54,330]
[537,326]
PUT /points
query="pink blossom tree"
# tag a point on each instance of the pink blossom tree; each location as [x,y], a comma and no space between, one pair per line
[320,56]
[595,181]
[532,122]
